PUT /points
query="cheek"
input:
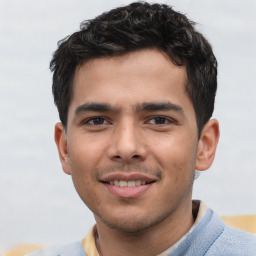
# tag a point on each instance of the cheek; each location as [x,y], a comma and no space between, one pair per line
[82,160]
[177,158]
[175,150]
[84,181]
[85,190]
[85,152]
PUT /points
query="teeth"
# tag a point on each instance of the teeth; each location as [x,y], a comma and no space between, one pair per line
[123,183]
[130,183]
[137,182]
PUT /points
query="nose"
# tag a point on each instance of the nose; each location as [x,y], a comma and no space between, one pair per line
[127,145]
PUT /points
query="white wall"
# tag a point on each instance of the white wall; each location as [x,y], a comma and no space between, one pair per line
[38,202]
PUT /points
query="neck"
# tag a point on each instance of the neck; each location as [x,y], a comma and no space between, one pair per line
[151,241]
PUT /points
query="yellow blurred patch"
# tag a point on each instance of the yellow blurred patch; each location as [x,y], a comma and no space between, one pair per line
[22,249]
[243,222]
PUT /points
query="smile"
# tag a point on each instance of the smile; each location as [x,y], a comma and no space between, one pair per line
[130,183]
[127,188]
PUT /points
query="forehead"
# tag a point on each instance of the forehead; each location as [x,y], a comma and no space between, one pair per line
[131,79]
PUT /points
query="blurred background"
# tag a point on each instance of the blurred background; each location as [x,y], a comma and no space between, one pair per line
[38,201]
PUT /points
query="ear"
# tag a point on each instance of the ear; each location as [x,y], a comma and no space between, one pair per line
[61,142]
[207,145]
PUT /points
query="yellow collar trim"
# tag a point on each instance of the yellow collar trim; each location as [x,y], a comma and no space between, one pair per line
[89,243]
[90,246]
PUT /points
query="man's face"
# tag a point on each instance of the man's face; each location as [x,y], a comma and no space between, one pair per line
[131,139]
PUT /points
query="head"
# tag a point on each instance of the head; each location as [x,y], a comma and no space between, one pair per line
[139,26]
[135,91]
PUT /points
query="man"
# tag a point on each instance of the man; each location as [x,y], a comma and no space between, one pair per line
[135,90]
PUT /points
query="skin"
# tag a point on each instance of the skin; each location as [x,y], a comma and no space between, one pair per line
[110,131]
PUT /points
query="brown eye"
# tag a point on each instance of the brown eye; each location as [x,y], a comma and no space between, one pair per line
[159,120]
[96,121]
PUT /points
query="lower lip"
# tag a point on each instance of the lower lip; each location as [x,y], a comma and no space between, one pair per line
[127,192]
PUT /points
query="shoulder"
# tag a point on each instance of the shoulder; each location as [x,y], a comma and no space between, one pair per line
[233,242]
[74,249]
[212,237]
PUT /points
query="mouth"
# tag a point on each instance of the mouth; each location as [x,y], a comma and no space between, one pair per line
[129,183]
[128,186]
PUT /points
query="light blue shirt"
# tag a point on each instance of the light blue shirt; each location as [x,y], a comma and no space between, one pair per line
[210,237]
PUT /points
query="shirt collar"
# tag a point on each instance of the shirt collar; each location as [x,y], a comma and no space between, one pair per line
[198,208]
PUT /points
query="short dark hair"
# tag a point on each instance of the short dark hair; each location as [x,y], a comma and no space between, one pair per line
[133,27]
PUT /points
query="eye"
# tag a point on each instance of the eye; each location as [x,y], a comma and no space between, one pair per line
[159,120]
[96,121]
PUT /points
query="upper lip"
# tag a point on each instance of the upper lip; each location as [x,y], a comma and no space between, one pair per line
[128,177]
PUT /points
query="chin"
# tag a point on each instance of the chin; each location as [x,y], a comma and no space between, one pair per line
[127,225]
[133,223]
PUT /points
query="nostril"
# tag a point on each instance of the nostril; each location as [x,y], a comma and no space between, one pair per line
[136,156]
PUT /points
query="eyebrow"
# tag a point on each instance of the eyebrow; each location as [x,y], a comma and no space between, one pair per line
[94,107]
[147,106]
[159,106]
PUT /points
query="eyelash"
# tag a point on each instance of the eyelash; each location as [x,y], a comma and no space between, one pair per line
[95,118]
[162,118]
[104,120]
